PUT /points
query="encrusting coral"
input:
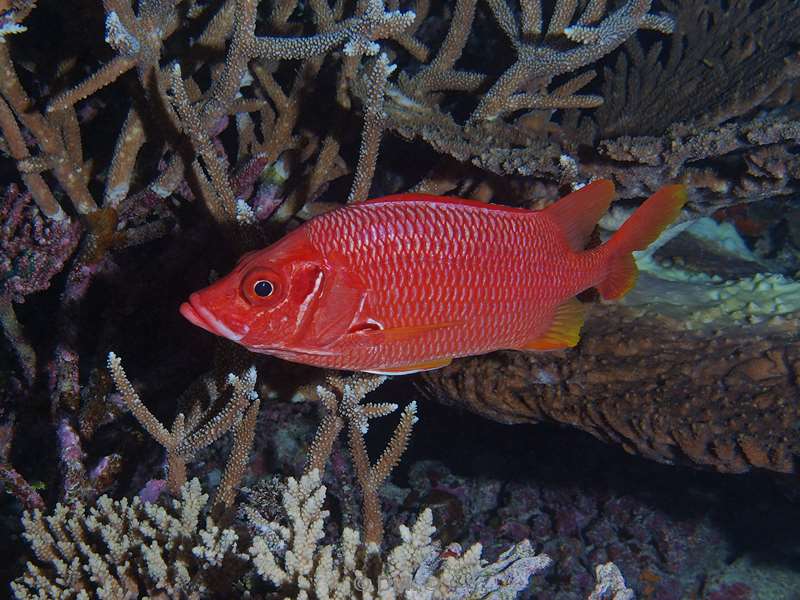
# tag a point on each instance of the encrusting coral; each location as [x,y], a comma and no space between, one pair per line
[33,249]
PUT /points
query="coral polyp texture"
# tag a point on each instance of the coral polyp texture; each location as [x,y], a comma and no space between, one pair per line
[661,392]
[122,549]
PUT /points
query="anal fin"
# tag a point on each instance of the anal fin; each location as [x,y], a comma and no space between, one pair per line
[565,330]
[415,368]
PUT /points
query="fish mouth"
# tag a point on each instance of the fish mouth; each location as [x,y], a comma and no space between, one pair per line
[197,314]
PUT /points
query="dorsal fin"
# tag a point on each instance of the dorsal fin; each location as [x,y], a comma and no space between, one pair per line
[578,213]
[446,200]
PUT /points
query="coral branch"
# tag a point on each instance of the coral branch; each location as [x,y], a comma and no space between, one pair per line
[187,438]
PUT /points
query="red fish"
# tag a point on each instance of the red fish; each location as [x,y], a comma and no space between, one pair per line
[408,282]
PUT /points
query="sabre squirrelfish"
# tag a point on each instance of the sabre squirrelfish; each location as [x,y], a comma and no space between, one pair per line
[406,283]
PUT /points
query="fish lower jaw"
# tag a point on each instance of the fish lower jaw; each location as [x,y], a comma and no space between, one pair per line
[203,318]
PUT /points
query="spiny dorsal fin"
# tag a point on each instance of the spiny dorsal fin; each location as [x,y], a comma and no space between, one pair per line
[577,213]
[565,331]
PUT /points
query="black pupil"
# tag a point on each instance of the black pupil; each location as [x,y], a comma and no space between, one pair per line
[263,288]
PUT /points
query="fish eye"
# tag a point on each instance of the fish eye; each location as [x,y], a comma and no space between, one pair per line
[263,288]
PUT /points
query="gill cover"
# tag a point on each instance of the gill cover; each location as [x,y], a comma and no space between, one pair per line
[335,307]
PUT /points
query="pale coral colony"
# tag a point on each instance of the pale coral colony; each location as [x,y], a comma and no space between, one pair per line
[145,145]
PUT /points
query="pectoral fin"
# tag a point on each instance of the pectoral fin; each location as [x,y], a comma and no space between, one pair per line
[412,331]
[565,331]
[373,328]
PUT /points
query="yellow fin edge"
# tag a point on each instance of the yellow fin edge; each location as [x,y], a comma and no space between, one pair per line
[565,330]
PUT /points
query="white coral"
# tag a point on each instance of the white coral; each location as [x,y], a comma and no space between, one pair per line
[610,584]
[121,548]
[413,570]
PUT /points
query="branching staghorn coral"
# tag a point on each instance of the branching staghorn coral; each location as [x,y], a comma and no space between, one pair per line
[374,123]
[138,40]
[55,135]
[243,138]
[244,83]
[192,433]
[119,549]
[538,62]
[342,399]
[723,61]
[248,94]
[268,116]
[127,549]
[734,57]
[260,137]
[122,548]
[486,140]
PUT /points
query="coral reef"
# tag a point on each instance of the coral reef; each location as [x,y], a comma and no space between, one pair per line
[116,549]
[683,398]
[201,428]
[415,568]
[674,533]
[733,57]
[144,146]
[33,250]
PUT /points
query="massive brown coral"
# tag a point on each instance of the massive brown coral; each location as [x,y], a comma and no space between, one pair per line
[724,398]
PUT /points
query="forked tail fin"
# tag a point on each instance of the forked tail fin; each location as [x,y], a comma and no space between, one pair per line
[638,232]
